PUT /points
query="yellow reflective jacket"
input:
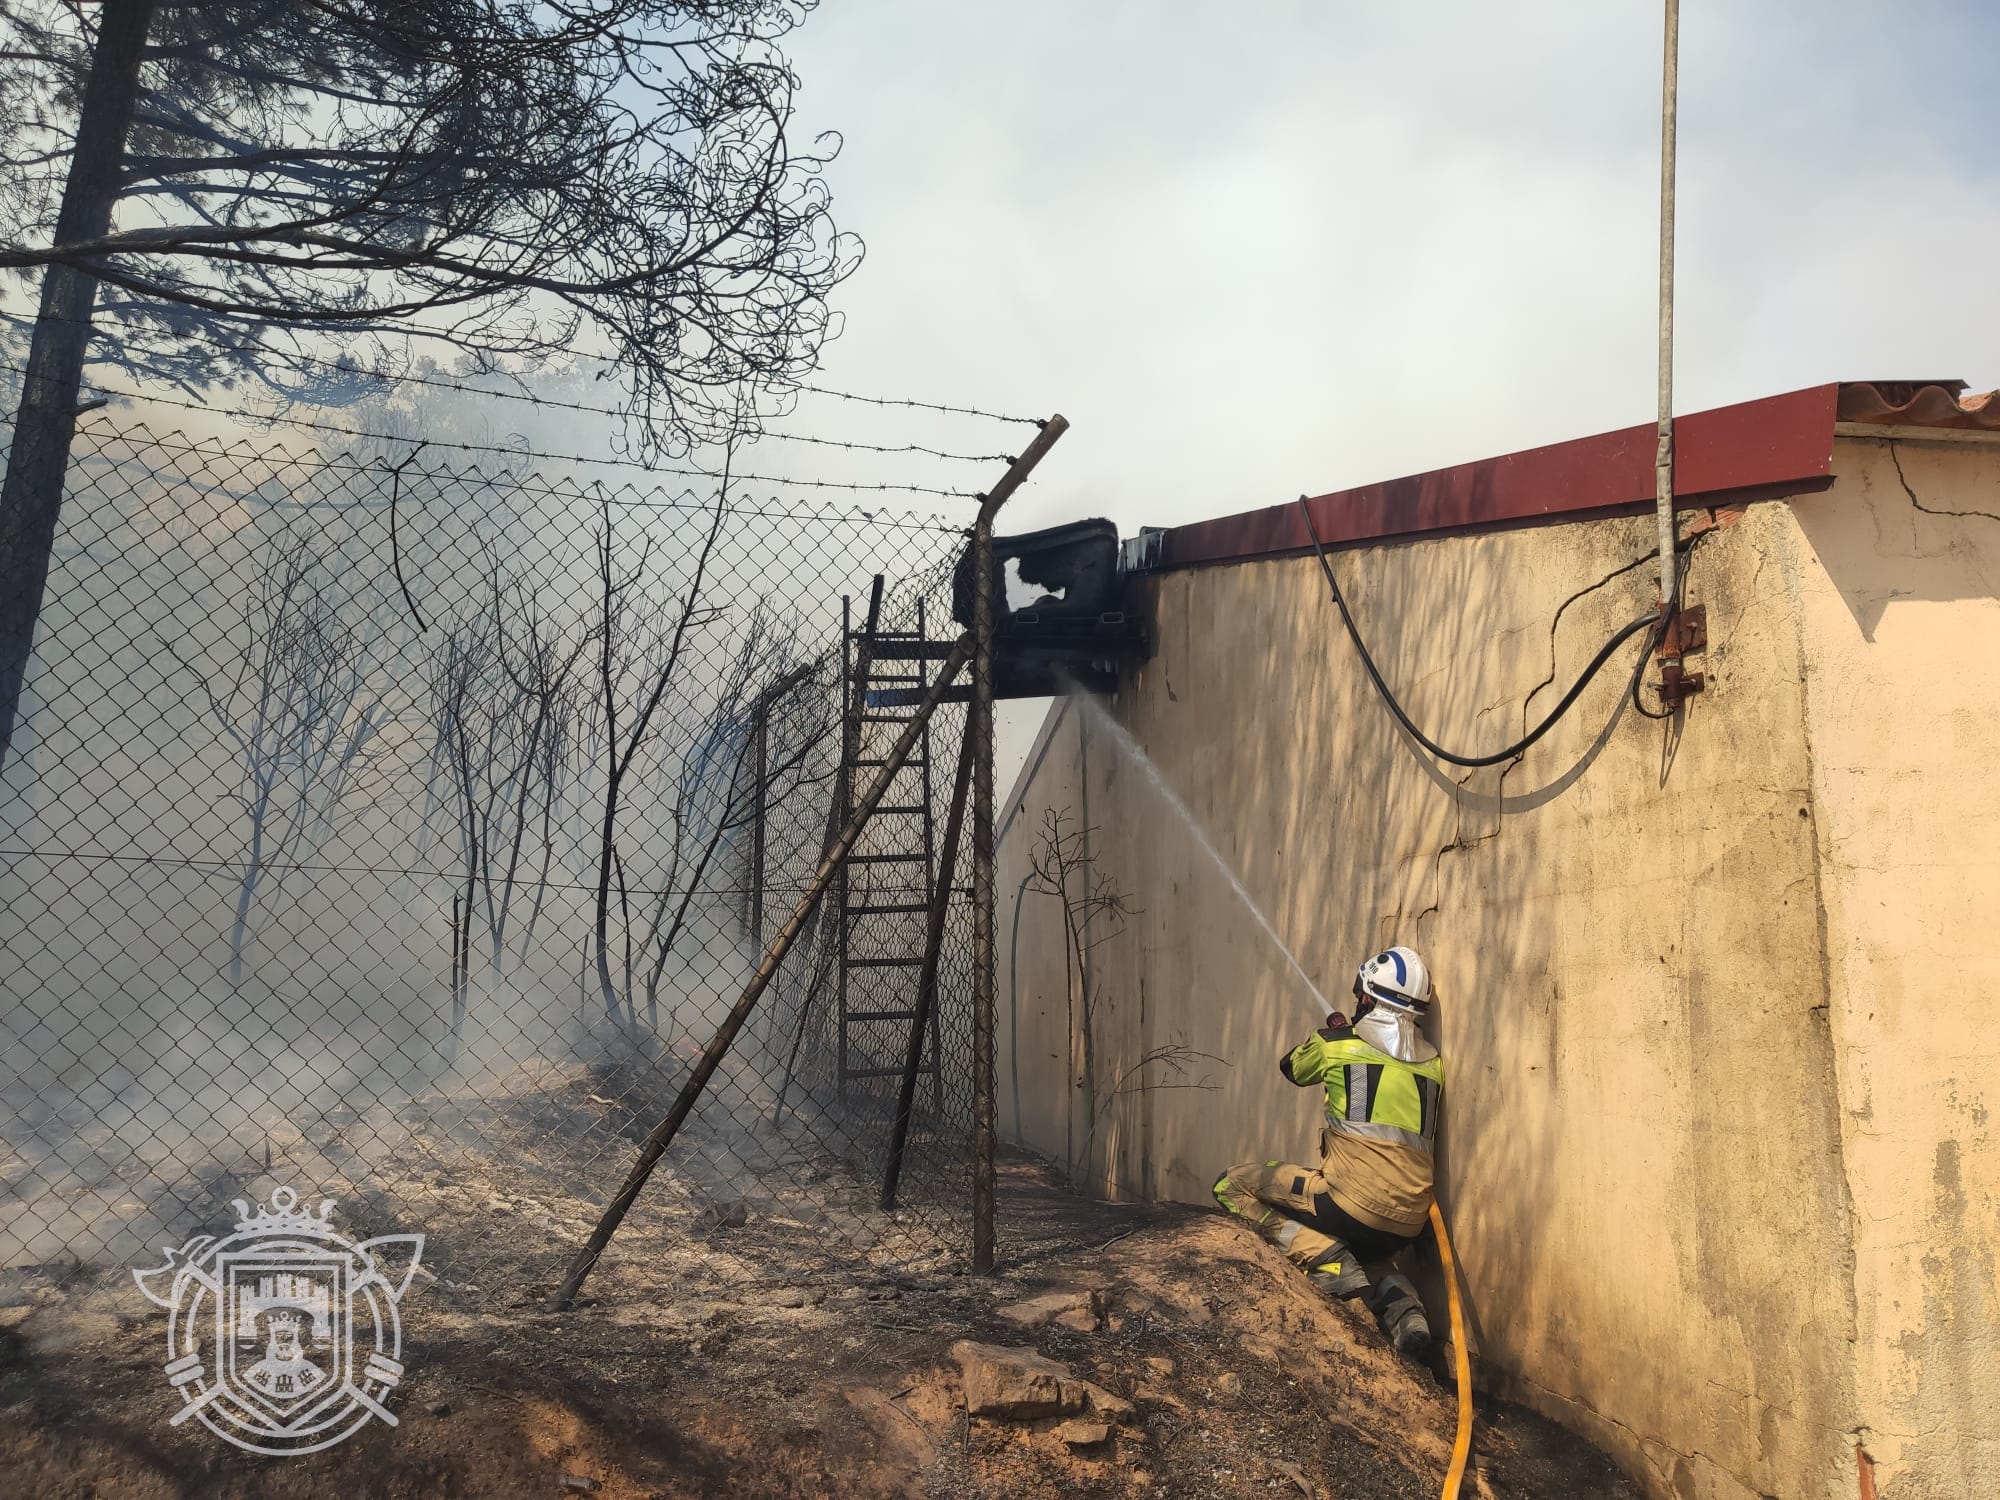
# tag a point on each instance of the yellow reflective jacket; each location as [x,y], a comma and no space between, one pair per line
[1381,1126]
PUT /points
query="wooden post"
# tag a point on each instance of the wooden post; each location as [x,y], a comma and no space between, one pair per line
[927,976]
[979,732]
[662,1134]
[851,743]
[835,816]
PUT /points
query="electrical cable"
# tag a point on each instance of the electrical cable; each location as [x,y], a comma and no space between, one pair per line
[1655,618]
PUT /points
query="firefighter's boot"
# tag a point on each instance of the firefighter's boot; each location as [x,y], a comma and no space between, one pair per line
[1338,1274]
[1401,1313]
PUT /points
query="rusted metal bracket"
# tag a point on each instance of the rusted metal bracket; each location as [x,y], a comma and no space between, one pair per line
[1686,634]
[1677,685]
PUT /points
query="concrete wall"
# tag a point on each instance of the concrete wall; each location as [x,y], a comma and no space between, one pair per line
[1899,602]
[1693,1222]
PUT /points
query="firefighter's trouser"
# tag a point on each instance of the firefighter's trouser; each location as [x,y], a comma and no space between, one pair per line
[1292,1207]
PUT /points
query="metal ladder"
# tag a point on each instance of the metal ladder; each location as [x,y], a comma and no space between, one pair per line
[884,890]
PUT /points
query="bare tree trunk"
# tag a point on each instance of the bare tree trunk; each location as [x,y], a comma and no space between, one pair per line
[625,921]
[623,1006]
[687,895]
[607,646]
[541,880]
[474,842]
[457,995]
[1069,999]
[518,837]
[253,872]
[45,426]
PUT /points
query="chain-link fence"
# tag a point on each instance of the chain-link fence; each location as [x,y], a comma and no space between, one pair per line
[399,833]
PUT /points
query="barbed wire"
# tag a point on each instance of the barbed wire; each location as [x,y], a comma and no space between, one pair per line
[817,390]
[544,456]
[541,488]
[960,411]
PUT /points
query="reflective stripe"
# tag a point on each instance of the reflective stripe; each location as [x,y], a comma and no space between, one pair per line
[1395,1135]
[1427,1104]
[1379,1097]
[1360,1093]
[1222,1196]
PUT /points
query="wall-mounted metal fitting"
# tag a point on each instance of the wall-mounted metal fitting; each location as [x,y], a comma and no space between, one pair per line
[1677,685]
[1685,635]
[1686,632]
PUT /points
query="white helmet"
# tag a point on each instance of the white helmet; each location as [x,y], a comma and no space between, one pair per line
[1397,978]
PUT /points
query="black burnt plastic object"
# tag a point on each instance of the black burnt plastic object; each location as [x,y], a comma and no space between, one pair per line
[1059,615]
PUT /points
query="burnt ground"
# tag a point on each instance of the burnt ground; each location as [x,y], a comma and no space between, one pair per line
[1242,1381]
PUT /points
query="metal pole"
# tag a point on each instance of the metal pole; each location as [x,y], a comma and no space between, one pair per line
[1663,458]
[711,1058]
[763,812]
[927,977]
[979,732]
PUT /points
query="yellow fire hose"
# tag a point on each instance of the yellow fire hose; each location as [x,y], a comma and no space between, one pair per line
[1461,1447]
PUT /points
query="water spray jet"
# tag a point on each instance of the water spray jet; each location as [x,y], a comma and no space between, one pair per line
[1136,754]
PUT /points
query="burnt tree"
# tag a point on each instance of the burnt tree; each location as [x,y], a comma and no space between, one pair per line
[289,192]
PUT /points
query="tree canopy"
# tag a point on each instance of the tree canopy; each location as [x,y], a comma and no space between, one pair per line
[517,181]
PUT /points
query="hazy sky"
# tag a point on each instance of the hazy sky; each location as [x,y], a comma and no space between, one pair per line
[1353,242]
[1358,241]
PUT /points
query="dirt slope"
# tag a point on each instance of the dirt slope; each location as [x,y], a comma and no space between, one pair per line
[1241,1382]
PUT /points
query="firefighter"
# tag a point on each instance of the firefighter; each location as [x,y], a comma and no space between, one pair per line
[1370,1196]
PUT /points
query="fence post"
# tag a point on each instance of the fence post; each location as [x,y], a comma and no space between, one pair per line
[762,815]
[979,729]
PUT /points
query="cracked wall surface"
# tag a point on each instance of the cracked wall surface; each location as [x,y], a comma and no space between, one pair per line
[1642,1153]
[1898,583]
[1716,999]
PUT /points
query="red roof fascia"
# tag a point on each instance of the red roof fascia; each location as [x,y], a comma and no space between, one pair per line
[1753,450]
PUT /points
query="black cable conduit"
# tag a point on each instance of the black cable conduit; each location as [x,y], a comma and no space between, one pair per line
[1655,618]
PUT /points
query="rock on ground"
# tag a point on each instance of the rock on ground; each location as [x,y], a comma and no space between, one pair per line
[1203,1369]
